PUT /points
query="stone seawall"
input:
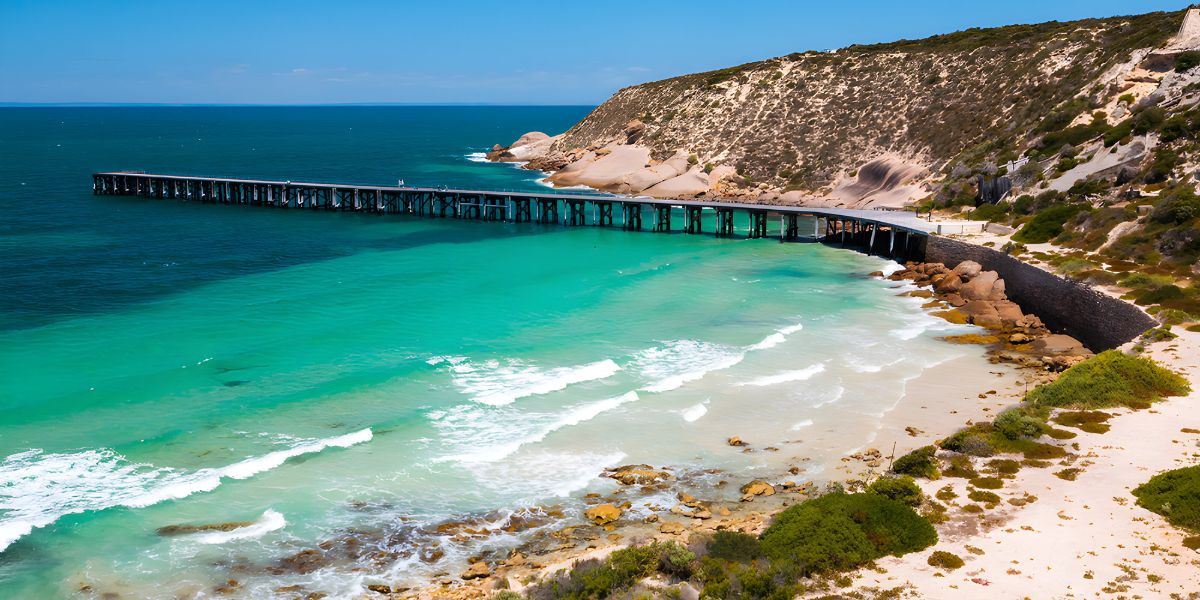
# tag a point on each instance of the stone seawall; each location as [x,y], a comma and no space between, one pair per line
[1099,321]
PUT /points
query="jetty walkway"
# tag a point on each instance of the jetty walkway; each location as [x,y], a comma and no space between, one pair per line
[891,233]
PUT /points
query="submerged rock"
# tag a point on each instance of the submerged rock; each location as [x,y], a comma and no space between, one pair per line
[637,474]
[173,530]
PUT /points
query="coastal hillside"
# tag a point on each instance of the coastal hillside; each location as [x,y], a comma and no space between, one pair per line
[875,125]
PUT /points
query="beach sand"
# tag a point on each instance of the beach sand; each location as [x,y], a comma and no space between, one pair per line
[1081,538]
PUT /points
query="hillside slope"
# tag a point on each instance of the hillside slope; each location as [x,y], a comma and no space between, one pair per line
[809,123]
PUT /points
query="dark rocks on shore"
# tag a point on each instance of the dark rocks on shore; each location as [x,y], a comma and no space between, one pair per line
[978,297]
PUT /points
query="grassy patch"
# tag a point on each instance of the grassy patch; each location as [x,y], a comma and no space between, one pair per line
[1174,495]
[987,483]
[1047,224]
[944,560]
[1090,421]
[1004,466]
[984,496]
[1069,474]
[1109,379]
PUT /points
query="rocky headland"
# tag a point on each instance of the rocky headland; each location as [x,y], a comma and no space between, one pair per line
[882,125]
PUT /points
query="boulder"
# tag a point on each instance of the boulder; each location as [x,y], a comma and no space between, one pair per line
[688,185]
[670,527]
[982,313]
[987,285]
[948,284]
[968,269]
[641,179]
[758,487]
[954,300]
[1010,313]
[602,514]
[1060,344]
[478,570]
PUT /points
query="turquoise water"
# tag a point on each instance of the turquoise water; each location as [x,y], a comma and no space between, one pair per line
[322,373]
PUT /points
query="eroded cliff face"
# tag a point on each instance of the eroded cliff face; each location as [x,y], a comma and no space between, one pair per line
[861,126]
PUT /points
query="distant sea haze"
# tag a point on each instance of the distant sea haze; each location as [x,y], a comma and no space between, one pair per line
[301,374]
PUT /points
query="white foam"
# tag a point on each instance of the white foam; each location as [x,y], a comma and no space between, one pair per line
[770,341]
[573,416]
[693,414]
[787,376]
[268,522]
[479,157]
[682,361]
[36,489]
[831,396]
[891,268]
[864,367]
[802,424]
[790,329]
[778,337]
[496,384]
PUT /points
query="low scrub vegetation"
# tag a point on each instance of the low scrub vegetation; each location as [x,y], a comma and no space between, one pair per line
[1110,379]
[1174,495]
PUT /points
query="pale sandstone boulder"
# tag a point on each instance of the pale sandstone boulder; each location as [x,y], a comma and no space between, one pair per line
[648,177]
[968,269]
[530,145]
[688,185]
[987,285]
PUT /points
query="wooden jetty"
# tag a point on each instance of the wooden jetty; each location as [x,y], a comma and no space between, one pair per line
[890,233]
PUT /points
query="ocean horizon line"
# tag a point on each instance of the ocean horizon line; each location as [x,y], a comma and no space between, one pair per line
[272,105]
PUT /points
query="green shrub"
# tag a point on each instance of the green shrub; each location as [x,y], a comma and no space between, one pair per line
[1107,380]
[1177,206]
[990,212]
[918,463]
[734,546]
[1119,132]
[841,531]
[675,560]
[945,560]
[1047,223]
[1174,495]
[1186,61]
[1161,167]
[1148,119]
[1016,424]
[902,489]
[1090,421]
[972,441]
[622,569]
[507,595]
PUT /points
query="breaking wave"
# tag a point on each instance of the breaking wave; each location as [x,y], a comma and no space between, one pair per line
[37,489]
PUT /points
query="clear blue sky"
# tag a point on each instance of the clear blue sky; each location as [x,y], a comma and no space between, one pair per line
[338,51]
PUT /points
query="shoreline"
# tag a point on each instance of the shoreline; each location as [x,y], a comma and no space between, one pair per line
[940,400]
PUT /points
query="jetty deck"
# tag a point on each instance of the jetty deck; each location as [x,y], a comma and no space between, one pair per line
[892,233]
